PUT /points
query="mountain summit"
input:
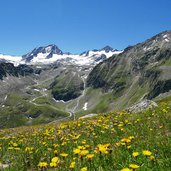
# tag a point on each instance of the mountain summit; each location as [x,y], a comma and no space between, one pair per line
[47,51]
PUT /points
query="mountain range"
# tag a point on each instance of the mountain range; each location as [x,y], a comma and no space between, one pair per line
[52,54]
[48,84]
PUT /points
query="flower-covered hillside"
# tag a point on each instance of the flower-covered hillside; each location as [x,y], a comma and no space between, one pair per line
[108,142]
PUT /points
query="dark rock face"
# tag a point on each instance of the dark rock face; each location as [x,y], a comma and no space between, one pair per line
[67,86]
[7,68]
[10,69]
[24,70]
[66,95]
[160,87]
[137,67]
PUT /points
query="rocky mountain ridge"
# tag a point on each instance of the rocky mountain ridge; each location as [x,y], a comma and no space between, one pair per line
[141,71]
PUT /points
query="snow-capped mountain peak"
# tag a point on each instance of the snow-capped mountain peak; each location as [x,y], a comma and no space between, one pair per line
[46,51]
[52,54]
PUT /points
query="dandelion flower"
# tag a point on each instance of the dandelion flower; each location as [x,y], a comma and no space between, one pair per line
[72,165]
[83,152]
[53,164]
[63,154]
[90,156]
[135,154]
[76,151]
[134,166]
[84,169]
[55,160]
[42,164]
[147,153]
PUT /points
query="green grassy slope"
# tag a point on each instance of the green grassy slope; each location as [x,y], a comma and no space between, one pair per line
[19,111]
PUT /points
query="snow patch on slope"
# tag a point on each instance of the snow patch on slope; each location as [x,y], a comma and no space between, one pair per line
[166,38]
[85,106]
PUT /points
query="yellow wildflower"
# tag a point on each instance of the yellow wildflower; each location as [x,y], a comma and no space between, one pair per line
[134,166]
[63,154]
[55,160]
[15,144]
[102,148]
[72,165]
[42,164]
[53,164]
[84,169]
[81,147]
[147,153]
[76,151]
[83,152]
[135,154]
[128,147]
[90,156]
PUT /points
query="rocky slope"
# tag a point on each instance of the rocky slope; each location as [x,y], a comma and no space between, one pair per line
[141,71]
[67,86]
[10,69]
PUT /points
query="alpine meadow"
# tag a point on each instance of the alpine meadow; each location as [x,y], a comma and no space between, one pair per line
[85,85]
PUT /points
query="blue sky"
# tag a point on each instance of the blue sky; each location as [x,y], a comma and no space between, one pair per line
[79,25]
